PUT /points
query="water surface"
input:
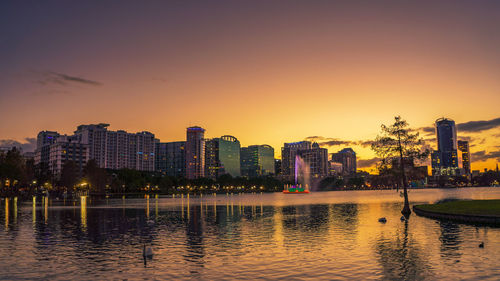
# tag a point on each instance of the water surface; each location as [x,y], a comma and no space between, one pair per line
[317,236]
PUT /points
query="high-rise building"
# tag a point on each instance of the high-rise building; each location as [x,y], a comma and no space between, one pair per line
[317,159]
[257,160]
[346,157]
[288,154]
[445,159]
[171,158]
[314,156]
[109,149]
[64,149]
[335,168]
[42,151]
[222,156]
[195,152]
[463,146]
[277,167]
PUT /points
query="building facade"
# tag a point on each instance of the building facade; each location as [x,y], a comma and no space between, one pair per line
[195,152]
[43,142]
[64,149]
[118,149]
[346,157]
[109,149]
[314,156]
[445,159]
[222,156]
[288,154]
[257,160]
[317,160]
[171,158]
[463,147]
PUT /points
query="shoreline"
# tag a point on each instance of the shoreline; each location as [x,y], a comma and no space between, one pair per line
[454,215]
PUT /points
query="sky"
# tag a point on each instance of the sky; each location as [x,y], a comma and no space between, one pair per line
[266,72]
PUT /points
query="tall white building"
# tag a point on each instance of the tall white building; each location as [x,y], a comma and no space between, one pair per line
[118,149]
[110,149]
[67,148]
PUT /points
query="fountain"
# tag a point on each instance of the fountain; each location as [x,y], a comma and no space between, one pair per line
[301,168]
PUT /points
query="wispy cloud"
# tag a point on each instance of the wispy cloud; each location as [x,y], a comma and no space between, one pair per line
[325,141]
[28,145]
[366,163]
[54,78]
[478,126]
[468,127]
[484,156]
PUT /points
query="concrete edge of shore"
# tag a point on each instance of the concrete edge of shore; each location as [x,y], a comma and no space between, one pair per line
[474,219]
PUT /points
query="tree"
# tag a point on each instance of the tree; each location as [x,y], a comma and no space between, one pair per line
[96,176]
[398,142]
[69,174]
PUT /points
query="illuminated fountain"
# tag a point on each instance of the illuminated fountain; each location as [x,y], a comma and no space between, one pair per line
[301,178]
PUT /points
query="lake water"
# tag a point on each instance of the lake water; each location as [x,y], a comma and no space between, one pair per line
[317,236]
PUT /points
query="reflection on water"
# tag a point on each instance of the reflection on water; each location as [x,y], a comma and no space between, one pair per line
[401,257]
[330,235]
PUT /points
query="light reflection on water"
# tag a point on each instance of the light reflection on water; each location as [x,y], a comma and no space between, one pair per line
[327,235]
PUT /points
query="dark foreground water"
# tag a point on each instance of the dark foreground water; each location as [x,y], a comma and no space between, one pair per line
[327,235]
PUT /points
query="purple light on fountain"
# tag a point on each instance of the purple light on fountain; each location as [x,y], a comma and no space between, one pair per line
[297,161]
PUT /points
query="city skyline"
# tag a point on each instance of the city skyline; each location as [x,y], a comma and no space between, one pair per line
[322,71]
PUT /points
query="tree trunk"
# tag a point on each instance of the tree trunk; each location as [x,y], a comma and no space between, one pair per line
[406,209]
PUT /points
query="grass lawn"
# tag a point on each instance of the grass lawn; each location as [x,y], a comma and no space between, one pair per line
[472,207]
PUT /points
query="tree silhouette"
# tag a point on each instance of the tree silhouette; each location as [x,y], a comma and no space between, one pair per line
[398,142]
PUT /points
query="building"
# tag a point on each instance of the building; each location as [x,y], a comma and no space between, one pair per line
[288,154]
[64,149]
[445,159]
[170,158]
[317,160]
[195,152]
[257,160]
[222,156]
[314,156]
[335,168]
[277,167]
[118,149]
[463,147]
[346,157]
[109,149]
[42,151]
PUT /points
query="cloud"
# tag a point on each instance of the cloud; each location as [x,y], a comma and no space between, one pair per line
[428,130]
[324,141]
[54,78]
[28,146]
[478,126]
[484,156]
[366,163]
[467,127]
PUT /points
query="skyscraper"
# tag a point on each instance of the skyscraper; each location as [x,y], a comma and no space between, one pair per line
[346,157]
[314,156]
[317,159]
[288,153]
[171,158]
[109,149]
[222,156]
[445,159]
[257,160]
[463,146]
[118,149]
[195,152]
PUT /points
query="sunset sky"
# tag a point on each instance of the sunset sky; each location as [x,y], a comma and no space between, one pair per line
[266,72]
